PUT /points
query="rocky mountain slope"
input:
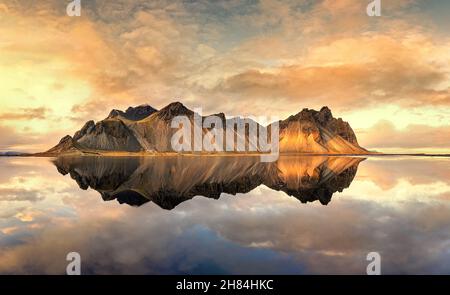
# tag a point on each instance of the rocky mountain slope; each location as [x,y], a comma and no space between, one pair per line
[313,131]
[147,130]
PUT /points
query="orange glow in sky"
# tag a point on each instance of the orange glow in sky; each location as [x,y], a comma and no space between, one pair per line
[388,76]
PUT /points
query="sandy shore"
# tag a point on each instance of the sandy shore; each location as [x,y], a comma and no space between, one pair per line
[203,154]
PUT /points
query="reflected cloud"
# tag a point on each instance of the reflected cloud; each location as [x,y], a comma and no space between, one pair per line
[19,195]
[415,171]
[261,231]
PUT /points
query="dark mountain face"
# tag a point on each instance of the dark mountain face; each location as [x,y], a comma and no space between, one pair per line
[144,129]
[172,110]
[169,181]
[325,119]
[87,128]
[133,114]
[108,135]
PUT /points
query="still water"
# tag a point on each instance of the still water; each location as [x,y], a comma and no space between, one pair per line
[225,215]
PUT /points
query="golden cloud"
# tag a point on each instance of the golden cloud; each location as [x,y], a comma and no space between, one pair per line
[289,54]
[385,135]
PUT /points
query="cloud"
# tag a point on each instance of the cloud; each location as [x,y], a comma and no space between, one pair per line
[246,54]
[19,195]
[10,137]
[350,73]
[26,114]
[389,172]
[241,234]
[10,212]
[385,135]
[24,140]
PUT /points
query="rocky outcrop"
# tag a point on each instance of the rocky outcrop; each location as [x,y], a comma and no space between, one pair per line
[317,132]
[66,145]
[144,129]
[133,114]
[108,135]
[87,128]
[172,110]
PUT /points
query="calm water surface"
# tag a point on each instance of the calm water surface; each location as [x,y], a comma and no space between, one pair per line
[225,215]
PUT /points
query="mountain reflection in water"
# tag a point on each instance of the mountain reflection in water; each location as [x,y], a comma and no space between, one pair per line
[169,181]
[397,206]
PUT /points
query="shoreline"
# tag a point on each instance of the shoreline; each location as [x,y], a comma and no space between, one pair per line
[172,154]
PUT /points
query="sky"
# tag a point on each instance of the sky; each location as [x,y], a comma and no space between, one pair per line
[388,76]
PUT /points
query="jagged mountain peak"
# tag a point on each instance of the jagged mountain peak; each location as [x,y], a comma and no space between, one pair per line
[66,144]
[133,113]
[322,116]
[66,138]
[87,128]
[325,109]
[322,127]
[144,105]
[174,109]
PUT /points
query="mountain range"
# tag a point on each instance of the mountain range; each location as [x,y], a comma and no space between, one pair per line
[144,129]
